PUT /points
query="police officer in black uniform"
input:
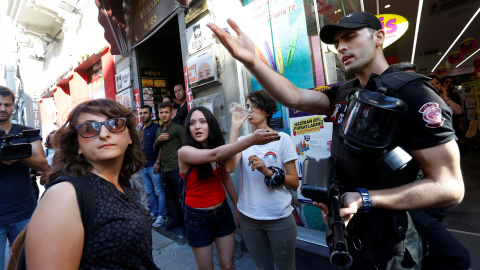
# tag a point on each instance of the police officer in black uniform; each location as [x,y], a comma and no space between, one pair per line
[374,209]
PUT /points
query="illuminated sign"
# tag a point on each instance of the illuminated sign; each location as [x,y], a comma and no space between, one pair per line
[395,27]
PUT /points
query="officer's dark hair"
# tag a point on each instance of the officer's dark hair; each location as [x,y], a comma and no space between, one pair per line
[264,102]
[403,66]
[164,105]
[147,107]
[448,77]
[5,92]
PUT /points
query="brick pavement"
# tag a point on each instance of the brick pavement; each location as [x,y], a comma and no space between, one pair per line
[170,255]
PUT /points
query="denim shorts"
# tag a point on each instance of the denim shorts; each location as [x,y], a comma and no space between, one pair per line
[203,226]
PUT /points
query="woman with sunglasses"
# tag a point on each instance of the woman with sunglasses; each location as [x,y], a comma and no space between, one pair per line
[100,145]
[264,204]
[207,216]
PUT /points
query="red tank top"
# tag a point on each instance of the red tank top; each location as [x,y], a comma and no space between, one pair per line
[203,193]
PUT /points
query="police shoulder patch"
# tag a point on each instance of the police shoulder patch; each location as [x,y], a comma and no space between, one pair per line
[432,114]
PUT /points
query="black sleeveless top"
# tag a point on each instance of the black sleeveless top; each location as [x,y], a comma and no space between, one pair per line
[122,235]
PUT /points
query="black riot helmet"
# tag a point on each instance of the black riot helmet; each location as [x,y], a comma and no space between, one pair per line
[370,127]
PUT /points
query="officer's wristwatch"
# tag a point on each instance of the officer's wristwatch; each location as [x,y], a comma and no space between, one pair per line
[157,162]
[366,200]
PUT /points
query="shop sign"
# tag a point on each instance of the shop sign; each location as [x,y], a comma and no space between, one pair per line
[147,14]
[199,36]
[36,114]
[125,98]
[136,94]
[196,11]
[200,68]
[123,79]
[395,27]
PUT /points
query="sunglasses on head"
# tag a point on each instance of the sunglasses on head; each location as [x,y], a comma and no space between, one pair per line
[92,129]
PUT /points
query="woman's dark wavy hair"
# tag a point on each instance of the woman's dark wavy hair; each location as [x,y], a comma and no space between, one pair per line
[264,102]
[215,139]
[67,161]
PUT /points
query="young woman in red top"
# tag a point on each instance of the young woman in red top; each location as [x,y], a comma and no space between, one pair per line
[207,216]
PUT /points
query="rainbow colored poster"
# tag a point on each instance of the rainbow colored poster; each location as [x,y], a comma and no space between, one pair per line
[278,29]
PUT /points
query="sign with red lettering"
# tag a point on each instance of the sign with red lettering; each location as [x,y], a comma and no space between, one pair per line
[394,25]
[137,106]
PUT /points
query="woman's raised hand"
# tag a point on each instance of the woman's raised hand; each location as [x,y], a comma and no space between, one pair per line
[238,117]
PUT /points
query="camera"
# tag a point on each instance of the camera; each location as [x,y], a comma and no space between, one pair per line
[13,151]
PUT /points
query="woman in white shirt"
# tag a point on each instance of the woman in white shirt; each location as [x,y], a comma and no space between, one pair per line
[264,205]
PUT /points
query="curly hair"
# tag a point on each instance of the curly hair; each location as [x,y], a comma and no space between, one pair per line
[264,102]
[215,139]
[67,161]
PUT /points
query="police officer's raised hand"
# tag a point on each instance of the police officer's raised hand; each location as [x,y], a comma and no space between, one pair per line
[263,136]
[240,47]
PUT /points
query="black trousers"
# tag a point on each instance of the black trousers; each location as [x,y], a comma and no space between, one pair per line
[444,250]
[172,191]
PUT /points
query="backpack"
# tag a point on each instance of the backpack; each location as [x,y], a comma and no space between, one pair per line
[87,205]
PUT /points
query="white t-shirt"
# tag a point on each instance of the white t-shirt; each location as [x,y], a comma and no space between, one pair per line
[256,200]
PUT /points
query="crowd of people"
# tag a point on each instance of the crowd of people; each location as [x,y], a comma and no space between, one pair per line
[182,167]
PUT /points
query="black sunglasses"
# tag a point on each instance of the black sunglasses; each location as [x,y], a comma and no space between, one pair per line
[92,129]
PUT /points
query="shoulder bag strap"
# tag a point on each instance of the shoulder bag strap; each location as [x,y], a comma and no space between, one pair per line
[184,190]
[86,202]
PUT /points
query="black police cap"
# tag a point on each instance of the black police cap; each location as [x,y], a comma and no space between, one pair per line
[351,21]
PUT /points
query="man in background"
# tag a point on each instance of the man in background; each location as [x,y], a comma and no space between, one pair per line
[17,199]
[169,140]
[180,97]
[151,179]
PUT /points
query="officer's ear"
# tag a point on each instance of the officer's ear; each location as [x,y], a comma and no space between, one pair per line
[379,37]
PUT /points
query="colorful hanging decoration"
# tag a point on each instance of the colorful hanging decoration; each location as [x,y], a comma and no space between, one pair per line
[455,58]
[468,46]
[441,71]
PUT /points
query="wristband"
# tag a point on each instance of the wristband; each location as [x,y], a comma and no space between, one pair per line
[277,179]
[157,162]
[446,100]
[366,200]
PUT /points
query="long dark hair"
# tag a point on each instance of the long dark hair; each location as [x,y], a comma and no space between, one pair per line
[215,139]
[67,161]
